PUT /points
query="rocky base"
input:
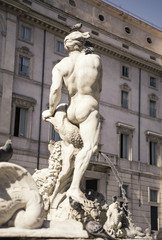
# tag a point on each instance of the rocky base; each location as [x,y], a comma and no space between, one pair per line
[51,230]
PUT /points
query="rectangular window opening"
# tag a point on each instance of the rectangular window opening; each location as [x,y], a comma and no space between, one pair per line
[154,218]
[125,71]
[153,195]
[124,99]
[153,82]
[26,33]
[153,153]
[152,108]
[60,47]
[24,65]
[91,184]
[124,146]
[20,122]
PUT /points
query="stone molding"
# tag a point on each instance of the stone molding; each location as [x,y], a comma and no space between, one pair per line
[24,101]
[153,97]
[123,128]
[125,87]
[153,136]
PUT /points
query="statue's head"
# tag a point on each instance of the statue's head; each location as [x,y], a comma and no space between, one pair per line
[75,40]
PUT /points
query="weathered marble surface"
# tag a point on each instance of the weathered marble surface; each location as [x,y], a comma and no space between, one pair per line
[56,229]
[20,202]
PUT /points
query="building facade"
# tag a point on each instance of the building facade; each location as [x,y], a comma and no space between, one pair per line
[31,43]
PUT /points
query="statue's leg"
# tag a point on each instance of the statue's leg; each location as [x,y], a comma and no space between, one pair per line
[89,131]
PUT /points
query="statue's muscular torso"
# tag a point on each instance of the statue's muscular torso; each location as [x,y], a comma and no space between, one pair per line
[82,79]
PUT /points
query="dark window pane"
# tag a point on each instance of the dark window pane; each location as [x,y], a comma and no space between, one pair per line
[24,66]
[20,122]
[125,71]
[152,108]
[124,146]
[153,153]
[17,121]
[124,99]
[91,184]
[153,82]
[154,218]
[153,195]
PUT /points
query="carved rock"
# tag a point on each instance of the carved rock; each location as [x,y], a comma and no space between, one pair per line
[20,203]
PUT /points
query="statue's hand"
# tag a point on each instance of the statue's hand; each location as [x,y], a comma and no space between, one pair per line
[46,114]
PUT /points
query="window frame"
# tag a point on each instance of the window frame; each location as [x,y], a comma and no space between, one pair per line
[125,88]
[27,26]
[127,77]
[24,52]
[18,131]
[57,39]
[27,103]
[154,204]
[155,138]
[125,129]
[152,98]
[22,59]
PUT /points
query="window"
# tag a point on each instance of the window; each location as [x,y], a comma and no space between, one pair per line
[25,33]
[152,108]
[153,199]
[154,141]
[55,136]
[154,218]
[24,62]
[125,132]
[125,96]
[24,65]
[149,40]
[124,99]
[60,47]
[22,112]
[72,3]
[91,184]
[101,17]
[153,153]
[153,82]
[20,122]
[125,71]
[127,30]
[124,146]
[153,195]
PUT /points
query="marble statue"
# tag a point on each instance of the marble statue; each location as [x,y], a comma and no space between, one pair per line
[20,203]
[119,225]
[81,73]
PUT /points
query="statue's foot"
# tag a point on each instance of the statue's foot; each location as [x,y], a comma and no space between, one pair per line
[77,195]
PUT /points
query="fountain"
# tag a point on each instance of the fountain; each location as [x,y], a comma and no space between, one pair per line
[50,204]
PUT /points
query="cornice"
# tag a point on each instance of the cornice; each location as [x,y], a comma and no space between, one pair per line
[126,16]
[130,58]
[29,15]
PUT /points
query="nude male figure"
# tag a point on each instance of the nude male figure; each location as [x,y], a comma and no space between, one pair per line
[81,74]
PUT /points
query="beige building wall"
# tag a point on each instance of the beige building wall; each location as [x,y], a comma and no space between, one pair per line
[120,40]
